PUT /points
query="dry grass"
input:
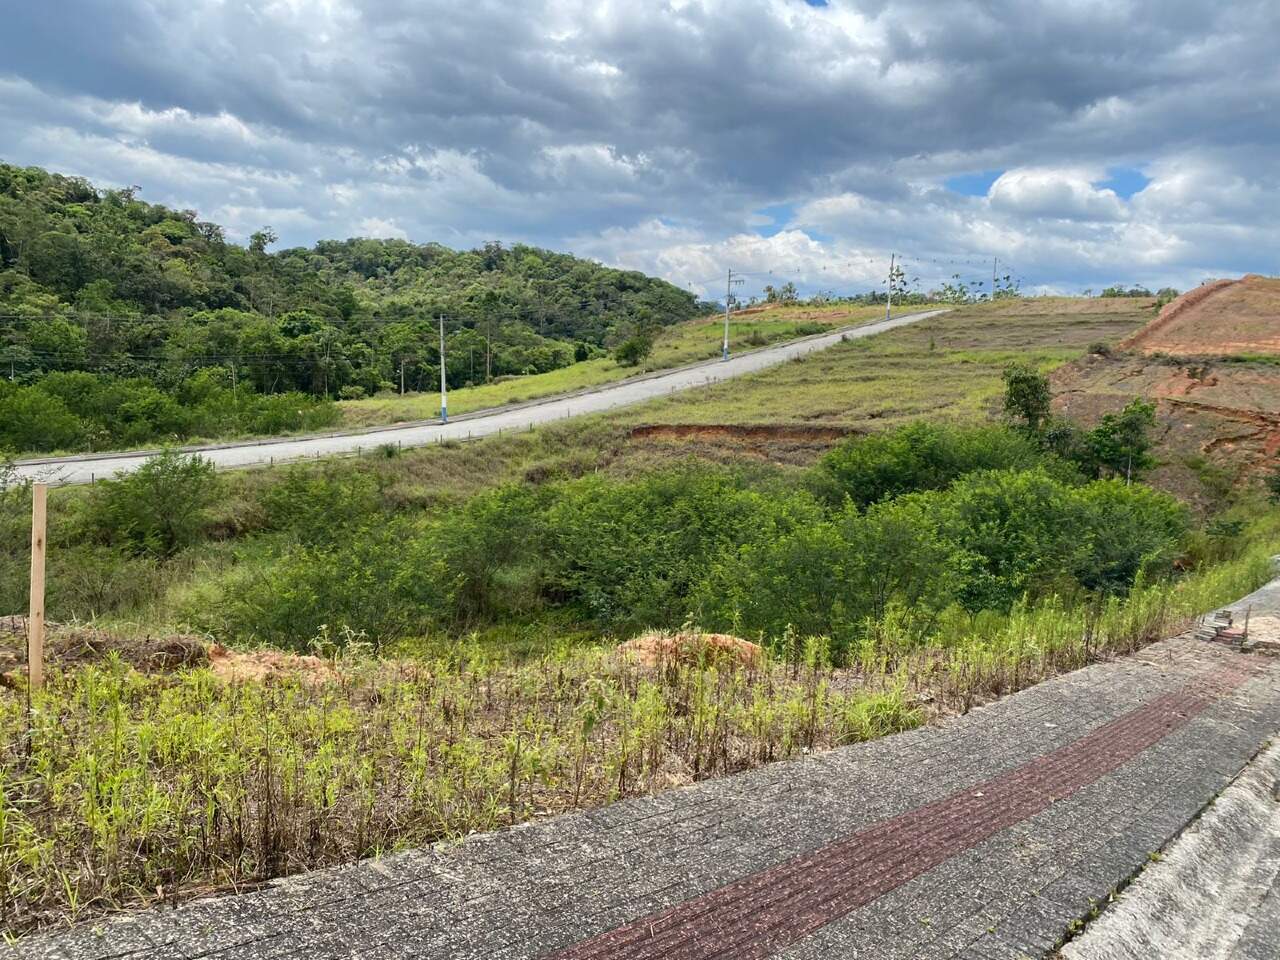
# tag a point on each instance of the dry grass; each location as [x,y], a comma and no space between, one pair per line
[948,366]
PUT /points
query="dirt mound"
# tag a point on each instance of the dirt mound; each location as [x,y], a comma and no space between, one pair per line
[654,649]
[259,665]
[1222,318]
[69,645]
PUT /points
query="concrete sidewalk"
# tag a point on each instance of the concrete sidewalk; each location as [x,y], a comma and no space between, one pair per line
[1215,892]
[989,836]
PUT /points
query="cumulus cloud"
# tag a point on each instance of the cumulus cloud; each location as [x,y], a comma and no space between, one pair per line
[1055,194]
[686,136]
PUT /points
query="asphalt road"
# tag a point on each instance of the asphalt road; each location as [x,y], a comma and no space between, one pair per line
[85,468]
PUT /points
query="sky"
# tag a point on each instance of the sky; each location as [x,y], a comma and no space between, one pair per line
[1078,142]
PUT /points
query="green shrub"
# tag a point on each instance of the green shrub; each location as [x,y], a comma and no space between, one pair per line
[382,581]
[918,456]
[160,507]
[1019,533]
[633,350]
[834,577]
[1272,483]
[78,410]
[1026,396]
[319,506]
[1133,532]
[496,544]
[630,553]
[1121,442]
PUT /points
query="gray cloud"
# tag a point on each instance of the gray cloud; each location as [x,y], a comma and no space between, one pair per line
[649,134]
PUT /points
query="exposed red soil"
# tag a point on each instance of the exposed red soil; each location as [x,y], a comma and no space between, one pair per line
[259,665]
[656,649]
[1221,318]
[1223,415]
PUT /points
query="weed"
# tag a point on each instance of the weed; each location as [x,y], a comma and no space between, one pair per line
[183,782]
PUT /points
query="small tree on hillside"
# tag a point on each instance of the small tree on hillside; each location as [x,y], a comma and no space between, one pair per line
[784,294]
[633,350]
[1121,443]
[1027,396]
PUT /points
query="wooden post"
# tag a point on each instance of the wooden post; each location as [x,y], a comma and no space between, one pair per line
[35,617]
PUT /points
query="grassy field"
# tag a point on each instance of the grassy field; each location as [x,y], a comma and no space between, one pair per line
[947,366]
[683,343]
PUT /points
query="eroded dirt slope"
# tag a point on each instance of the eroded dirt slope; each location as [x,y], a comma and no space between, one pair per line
[1222,318]
[1218,422]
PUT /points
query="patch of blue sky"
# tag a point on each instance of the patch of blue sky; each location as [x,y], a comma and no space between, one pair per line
[1125,181]
[973,184]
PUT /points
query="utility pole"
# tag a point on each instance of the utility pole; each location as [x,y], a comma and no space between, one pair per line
[488,350]
[444,388]
[402,376]
[888,304]
[995,261]
[728,305]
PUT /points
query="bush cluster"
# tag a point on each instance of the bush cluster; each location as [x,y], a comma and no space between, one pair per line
[925,518]
[85,411]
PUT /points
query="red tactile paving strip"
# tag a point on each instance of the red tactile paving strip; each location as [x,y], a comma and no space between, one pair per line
[765,912]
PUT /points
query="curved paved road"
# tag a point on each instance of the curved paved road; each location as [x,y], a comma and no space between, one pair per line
[83,469]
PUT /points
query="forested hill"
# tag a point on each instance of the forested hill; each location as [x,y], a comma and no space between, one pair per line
[98,280]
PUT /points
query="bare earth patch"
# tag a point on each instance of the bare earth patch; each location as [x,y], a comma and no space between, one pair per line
[1220,318]
[260,665]
[656,649]
[69,645]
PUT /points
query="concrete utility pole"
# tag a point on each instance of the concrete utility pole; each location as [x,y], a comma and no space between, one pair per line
[444,387]
[888,304]
[728,300]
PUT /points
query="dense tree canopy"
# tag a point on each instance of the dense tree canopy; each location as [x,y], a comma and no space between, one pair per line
[99,281]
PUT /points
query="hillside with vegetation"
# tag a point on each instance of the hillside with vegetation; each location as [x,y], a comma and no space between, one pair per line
[265,671]
[124,322]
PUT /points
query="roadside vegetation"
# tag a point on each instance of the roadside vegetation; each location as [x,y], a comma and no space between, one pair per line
[672,346]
